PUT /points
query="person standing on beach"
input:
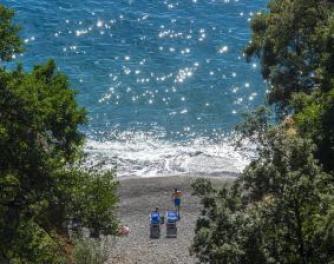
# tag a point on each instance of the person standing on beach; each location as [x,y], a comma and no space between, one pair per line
[176,196]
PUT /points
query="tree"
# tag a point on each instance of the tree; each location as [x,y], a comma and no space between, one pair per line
[280,210]
[287,42]
[294,42]
[10,43]
[275,212]
[41,185]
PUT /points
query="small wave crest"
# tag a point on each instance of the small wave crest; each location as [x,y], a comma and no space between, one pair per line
[139,154]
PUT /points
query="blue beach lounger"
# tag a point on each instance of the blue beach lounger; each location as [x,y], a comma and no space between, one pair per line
[155,224]
[171,219]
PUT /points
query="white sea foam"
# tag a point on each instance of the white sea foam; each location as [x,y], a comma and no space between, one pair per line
[144,155]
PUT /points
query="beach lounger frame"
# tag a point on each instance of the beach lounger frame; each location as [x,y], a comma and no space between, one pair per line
[155,225]
[171,220]
[171,230]
[155,231]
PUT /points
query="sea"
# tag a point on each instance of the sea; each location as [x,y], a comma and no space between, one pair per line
[164,82]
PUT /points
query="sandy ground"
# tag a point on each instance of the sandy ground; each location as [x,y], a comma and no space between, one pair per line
[137,198]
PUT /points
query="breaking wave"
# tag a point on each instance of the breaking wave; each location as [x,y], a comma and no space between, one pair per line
[137,154]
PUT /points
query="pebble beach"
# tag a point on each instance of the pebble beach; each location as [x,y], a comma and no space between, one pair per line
[138,196]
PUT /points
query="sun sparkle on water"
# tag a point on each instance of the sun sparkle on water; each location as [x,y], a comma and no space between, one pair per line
[151,66]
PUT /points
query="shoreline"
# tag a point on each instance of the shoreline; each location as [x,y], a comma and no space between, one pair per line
[221,175]
[138,196]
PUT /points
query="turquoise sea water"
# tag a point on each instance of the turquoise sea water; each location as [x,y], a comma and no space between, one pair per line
[164,82]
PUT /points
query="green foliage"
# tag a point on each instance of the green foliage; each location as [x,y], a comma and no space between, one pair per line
[255,124]
[41,187]
[280,210]
[91,251]
[288,40]
[275,212]
[314,119]
[10,43]
[94,202]
[32,244]
[326,39]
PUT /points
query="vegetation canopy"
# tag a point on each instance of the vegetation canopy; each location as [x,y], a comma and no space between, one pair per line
[42,188]
[280,210]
